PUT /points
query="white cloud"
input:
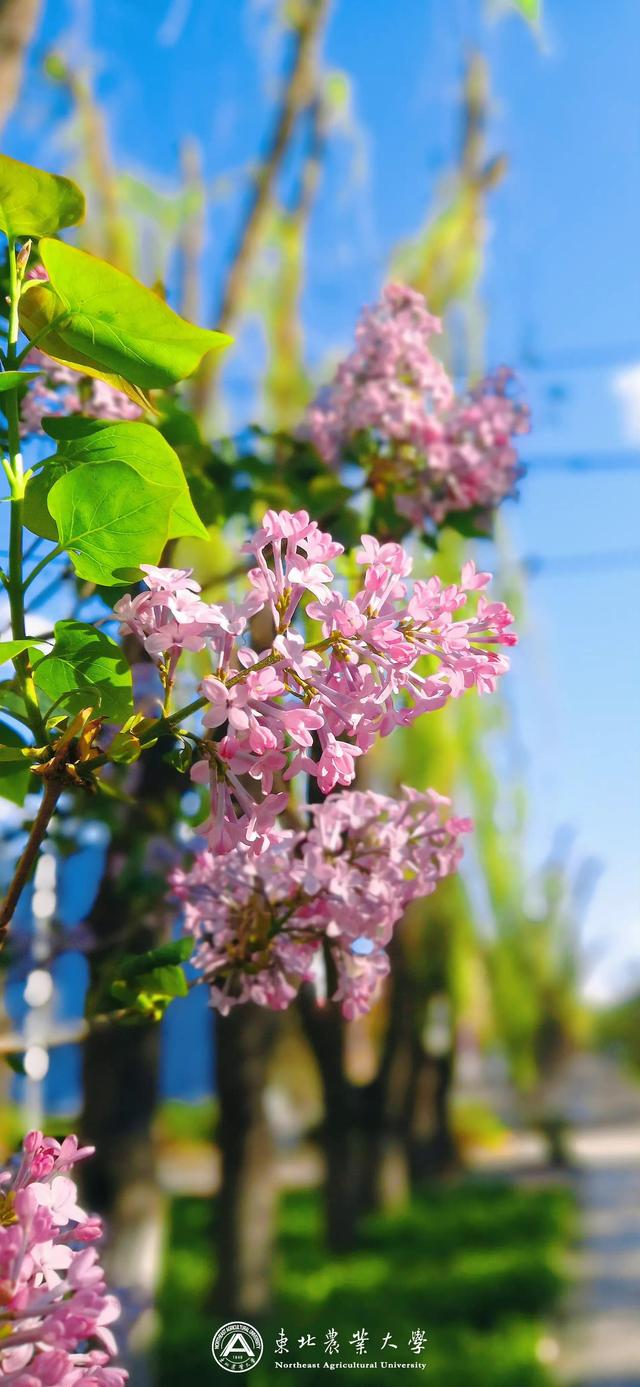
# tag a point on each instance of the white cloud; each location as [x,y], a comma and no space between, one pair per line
[625,385]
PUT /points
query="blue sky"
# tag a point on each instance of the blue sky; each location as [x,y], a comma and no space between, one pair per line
[561,293]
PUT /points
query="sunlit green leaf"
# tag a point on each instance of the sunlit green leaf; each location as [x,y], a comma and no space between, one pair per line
[10,379]
[164,982]
[103,323]
[9,649]
[17,754]
[86,669]
[35,203]
[90,441]
[111,520]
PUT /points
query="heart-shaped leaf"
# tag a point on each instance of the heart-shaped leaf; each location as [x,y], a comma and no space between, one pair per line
[93,442]
[35,203]
[111,520]
[103,323]
[86,669]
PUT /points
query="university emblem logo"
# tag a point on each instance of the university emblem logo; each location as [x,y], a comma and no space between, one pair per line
[237,1347]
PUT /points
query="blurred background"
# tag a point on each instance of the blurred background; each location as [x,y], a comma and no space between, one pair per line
[466,1160]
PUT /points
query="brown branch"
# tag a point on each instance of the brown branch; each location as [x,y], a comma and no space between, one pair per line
[295,97]
[109,236]
[52,792]
[192,233]
[18,19]
[312,164]
[286,384]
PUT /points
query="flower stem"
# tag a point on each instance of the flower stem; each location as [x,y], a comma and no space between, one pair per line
[53,554]
[22,663]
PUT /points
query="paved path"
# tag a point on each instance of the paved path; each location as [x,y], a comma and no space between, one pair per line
[600,1340]
[600,1344]
[597,1342]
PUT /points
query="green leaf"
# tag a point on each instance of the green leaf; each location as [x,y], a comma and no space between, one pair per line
[90,441]
[125,749]
[66,426]
[126,746]
[12,702]
[9,380]
[177,951]
[475,523]
[86,669]
[103,323]
[156,985]
[147,982]
[179,756]
[110,520]
[35,203]
[17,755]
[14,777]
[9,649]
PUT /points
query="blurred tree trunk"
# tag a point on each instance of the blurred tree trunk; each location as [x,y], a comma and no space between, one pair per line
[121,1065]
[120,1072]
[409,1134]
[342,1128]
[18,19]
[432,1147]
[248,1192]
[382,1139]
[386,1171]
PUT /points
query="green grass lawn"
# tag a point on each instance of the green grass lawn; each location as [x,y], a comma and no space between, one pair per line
[475,1265]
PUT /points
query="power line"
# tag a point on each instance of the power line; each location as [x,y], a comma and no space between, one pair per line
[624,461]
[559,564]
[579,358]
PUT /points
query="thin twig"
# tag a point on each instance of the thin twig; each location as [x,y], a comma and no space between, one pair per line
[52,792]
[77,1031]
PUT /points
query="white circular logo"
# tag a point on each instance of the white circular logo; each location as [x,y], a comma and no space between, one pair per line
[237,1347]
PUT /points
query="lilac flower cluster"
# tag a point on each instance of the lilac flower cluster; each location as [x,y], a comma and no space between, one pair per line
[313,704]
[433,453]
[55,1312]
[262,924]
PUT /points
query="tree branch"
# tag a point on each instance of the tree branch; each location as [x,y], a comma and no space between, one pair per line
[52,792]
[295,97]
[18,19]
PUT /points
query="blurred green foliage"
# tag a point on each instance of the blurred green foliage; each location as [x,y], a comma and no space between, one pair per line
[618,1030]
[476,1265]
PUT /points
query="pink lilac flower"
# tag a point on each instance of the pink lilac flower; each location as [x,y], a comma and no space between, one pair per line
[314,706]
[262,924]
[171,617]
[431,452]
[59,390]
[55,1311]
